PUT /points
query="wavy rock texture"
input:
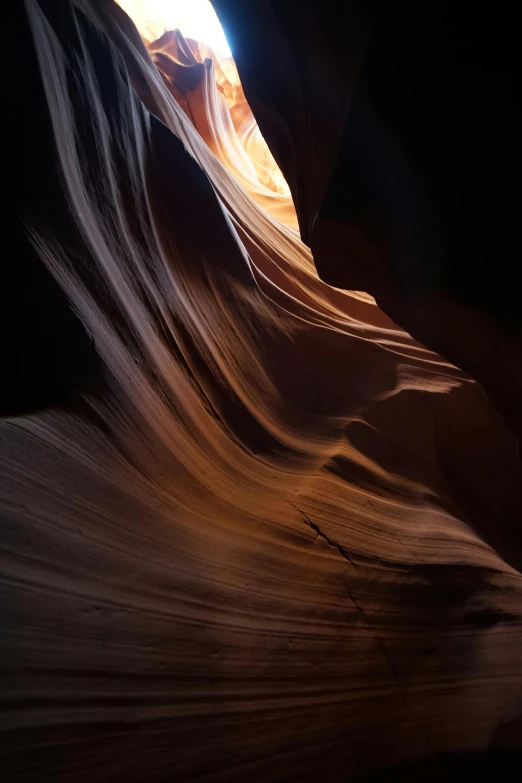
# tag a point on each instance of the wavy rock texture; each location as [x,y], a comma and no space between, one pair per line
[396,126]
[257,532]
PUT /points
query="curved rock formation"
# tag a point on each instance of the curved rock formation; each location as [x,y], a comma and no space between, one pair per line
[257,532]
[397,129]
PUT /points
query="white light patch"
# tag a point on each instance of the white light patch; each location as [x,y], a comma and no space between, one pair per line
[195,18]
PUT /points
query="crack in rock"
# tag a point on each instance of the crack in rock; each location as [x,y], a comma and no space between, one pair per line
[342,551]
[373,635]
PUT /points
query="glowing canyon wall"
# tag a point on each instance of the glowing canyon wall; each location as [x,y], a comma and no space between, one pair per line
[252,529]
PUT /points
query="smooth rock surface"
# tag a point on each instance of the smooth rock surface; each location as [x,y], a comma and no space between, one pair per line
[260,532]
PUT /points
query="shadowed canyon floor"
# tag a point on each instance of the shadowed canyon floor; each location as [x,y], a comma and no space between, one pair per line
[251,529]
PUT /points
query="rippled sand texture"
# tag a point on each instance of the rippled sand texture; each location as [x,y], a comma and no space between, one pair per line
[275,538]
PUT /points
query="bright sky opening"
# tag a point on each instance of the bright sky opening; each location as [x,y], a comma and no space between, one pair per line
[195,18]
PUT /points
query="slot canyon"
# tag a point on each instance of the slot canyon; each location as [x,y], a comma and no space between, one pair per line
[261,401]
